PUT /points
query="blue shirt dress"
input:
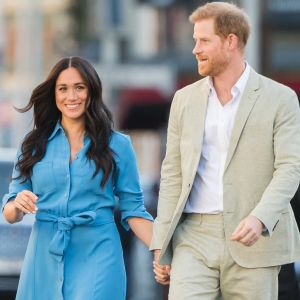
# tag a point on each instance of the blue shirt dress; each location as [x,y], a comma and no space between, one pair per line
[74,251]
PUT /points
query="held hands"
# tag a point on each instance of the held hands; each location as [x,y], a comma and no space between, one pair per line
[248,231]
[25,202]
[162,273]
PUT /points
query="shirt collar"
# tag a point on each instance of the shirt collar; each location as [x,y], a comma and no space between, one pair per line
[239,86]
[241,83]
[57,128]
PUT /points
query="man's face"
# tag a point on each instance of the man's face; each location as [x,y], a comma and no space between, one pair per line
[210,50]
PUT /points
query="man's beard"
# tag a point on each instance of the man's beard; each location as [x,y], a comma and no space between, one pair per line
[216,66]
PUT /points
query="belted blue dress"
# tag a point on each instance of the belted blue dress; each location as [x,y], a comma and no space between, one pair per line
[74,251]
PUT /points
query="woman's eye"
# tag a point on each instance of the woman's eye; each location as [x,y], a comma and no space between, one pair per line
[80,87]
[62,89]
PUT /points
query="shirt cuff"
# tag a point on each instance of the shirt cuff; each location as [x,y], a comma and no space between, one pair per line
[134,214]
[7,198]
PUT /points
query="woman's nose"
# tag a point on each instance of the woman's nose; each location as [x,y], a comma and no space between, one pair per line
[72,94]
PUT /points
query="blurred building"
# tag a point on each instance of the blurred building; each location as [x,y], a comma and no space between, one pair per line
[281,42]
[142,50]
[33,34]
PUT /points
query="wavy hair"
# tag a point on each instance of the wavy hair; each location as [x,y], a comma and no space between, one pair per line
[98,120]
[228,18]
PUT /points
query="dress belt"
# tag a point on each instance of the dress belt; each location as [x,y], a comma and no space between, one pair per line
[61,238]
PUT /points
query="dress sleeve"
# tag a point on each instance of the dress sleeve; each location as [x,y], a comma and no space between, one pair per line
[127,185]
[16,185]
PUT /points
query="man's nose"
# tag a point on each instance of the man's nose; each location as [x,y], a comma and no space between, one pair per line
[197,49]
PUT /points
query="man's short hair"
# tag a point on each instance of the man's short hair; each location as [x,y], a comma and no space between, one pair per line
[228,19]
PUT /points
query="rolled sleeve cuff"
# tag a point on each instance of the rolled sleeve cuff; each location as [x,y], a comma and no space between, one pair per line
[7,198]
[134,214]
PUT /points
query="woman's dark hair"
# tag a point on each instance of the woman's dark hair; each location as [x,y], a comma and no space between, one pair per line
[98,120]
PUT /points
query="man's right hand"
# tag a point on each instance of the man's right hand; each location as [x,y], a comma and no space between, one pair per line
[162,272]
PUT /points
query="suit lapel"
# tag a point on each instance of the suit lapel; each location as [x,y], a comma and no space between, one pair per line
[197,114]
[246,104]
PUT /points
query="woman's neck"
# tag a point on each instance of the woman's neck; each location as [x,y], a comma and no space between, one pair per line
[73,129]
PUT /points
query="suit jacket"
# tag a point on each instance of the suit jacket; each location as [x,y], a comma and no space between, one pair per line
[261,174]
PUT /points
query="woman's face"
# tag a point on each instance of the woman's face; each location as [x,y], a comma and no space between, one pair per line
[71,95]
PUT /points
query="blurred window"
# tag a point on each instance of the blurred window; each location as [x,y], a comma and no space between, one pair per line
[283,52]
[143,109]
[283,5]
[114,16]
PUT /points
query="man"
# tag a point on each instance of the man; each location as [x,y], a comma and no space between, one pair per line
[232,165]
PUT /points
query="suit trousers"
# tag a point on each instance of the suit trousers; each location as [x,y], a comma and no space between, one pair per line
[202,267]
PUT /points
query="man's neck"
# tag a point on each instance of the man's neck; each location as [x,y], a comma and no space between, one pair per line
[224,81]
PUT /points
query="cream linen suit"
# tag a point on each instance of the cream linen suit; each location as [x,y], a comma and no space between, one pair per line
[261,174]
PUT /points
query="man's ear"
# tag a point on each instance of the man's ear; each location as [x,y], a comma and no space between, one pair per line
[232,41]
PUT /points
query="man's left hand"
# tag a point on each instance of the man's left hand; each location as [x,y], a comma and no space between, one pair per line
[248,231]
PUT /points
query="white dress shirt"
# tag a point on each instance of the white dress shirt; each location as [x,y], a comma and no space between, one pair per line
[206,196]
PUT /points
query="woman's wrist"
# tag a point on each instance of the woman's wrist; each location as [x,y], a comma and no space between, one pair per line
[12,213]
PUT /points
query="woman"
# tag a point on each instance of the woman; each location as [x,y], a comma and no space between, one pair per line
[69,169]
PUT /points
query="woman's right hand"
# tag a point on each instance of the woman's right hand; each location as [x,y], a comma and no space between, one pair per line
[25,202]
